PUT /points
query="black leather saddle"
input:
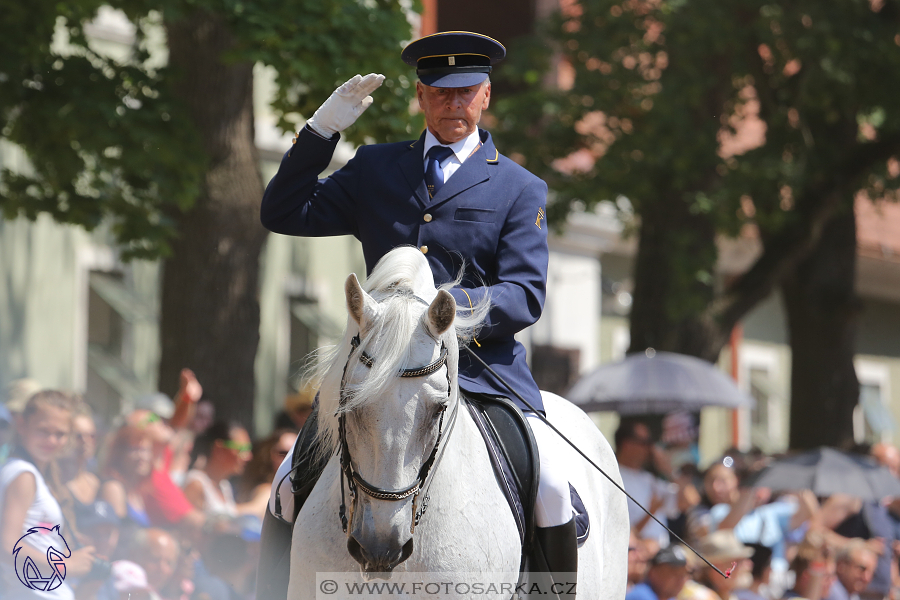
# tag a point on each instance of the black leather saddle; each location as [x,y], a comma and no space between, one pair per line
[513,453]
[514,456]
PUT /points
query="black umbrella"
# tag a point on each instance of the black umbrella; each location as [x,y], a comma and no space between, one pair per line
[827,471]
[656,382]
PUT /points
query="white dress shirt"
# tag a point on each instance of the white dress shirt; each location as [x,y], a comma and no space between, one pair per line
[461,151]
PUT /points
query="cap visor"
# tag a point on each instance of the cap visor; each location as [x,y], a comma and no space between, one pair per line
[453,80]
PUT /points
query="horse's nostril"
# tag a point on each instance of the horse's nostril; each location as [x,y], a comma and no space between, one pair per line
[406,552]
[358,552]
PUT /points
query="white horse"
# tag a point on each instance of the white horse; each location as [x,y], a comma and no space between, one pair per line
[392,425]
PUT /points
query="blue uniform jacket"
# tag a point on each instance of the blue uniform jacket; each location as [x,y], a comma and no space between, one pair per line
[490,213]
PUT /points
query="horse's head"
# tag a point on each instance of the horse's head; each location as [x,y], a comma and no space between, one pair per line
[388,400]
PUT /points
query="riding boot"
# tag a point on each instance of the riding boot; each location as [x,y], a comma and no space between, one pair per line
[274,567]
[308,461]
[558,547]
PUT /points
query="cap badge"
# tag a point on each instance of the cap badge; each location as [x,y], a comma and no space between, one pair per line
[451,60]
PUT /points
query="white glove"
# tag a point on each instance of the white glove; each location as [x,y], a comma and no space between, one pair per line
[345,105]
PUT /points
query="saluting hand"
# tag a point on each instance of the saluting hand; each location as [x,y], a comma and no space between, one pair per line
[345,105]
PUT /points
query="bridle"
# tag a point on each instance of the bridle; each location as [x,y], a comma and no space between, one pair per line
[420,486]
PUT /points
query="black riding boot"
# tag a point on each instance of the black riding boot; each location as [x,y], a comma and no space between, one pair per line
[308,461]
[555,566]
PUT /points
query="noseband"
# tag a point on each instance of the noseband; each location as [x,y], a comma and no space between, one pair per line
[355,480]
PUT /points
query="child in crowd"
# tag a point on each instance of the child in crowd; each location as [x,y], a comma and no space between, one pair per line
[29,488]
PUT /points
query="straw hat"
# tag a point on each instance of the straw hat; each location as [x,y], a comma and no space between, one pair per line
[722,545]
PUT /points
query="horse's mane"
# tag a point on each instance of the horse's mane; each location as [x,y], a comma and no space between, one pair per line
[399,277]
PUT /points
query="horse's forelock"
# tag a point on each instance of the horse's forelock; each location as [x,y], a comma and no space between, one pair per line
[387,340]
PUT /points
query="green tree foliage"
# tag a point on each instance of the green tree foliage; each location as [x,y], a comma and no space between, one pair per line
[651,90]
[159,143]
[108,140]
[658,103]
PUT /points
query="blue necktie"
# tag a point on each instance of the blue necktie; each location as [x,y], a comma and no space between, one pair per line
[434,176]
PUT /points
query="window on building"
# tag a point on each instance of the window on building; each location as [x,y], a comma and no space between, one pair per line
[304,339]
[763,425]
[872,419]
[105,337]
[111,311]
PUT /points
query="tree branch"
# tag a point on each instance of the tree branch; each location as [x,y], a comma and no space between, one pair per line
[788,247]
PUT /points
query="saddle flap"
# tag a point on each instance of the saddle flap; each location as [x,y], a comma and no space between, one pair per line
[514,457]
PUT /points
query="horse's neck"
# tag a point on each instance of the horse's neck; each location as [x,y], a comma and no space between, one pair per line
[464,499]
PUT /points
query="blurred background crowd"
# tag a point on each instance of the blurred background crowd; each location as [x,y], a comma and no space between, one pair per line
[785,541]
[166,504]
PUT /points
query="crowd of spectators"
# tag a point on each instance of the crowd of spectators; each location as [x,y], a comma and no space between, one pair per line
[165,505]
[774,545]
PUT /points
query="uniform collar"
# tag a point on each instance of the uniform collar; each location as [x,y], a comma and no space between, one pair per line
[462,149]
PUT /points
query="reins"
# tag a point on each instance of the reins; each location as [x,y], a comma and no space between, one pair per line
[423,479]
[471,352]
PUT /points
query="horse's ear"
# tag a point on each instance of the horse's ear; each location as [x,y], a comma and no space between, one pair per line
[441,313]
[359,303]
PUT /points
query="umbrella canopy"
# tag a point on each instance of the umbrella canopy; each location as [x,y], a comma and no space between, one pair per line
[657,382]
[827,471]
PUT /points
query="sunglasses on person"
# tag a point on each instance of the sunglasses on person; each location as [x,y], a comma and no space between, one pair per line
[238,446]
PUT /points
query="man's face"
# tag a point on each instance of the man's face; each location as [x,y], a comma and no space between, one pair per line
[667,580]
[160,559]
[856,573]
[636,449]
[453,113]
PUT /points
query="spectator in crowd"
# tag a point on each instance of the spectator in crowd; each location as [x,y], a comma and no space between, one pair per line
[29,487]
[887,455]
[226,447]
[98,526]
[158,553]
[227,568]
[726,553]
[256,484]
[749,512]
[169,426]
[855,565]
[637,561]
[79,467]
[872,522]
[720,489]
[297,408]
[761,572]
[6,430]
[127,465]
[204,416]
[127,581]
[813,567]
[634,451]
[666,577]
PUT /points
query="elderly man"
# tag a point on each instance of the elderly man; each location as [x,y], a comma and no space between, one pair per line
[465,206]
[855,566]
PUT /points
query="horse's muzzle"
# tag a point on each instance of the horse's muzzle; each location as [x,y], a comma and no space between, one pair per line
[378,563]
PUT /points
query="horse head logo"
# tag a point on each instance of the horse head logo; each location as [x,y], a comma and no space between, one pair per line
[48,577]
